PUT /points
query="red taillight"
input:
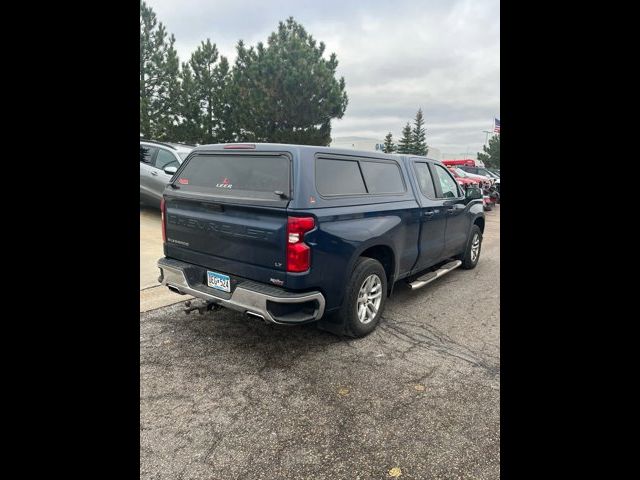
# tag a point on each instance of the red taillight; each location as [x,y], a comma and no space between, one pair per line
[298,252]
[163,209]
[240,146]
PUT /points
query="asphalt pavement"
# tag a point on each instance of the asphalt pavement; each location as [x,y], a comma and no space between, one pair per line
[226,397]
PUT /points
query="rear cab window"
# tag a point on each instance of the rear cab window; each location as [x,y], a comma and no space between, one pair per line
[255,177]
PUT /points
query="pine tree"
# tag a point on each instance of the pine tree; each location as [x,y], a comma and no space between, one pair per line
[166,106]
[405,145]
[223,107]
[389,146]
[189,108]
[158,76]
[286,91]
[209,75]
[491,154]
[418,135]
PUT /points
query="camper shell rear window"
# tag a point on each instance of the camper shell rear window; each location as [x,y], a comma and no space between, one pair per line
[255,176]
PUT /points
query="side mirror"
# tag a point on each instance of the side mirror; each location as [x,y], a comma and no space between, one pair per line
[474,193]
[170,170]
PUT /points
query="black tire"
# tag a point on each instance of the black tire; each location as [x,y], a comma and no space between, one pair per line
[467,262]
[348,313]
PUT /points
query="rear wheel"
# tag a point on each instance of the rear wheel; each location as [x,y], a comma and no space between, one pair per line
[364,299]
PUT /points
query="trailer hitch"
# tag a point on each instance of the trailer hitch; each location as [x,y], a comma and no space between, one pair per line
[202,308]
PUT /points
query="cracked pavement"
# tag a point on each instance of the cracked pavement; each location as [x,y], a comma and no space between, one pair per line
[226,397]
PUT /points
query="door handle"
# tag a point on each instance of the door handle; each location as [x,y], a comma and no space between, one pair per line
[155,174]
[428,213]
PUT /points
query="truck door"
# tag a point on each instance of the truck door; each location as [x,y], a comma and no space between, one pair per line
[433,218]
[160,179]
[458,222]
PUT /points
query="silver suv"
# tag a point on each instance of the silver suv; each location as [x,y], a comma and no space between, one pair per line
[158,163]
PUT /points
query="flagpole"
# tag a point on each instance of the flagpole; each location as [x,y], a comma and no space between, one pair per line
[486,137]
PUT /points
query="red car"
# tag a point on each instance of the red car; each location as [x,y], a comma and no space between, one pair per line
[462,179]
[466,180]
[457,163]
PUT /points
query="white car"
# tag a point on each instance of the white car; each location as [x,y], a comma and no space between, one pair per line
[158,163]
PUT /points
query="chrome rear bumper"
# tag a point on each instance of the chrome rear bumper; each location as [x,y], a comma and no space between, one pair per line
[248,297]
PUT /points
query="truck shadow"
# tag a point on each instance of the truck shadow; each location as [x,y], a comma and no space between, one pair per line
[253,346]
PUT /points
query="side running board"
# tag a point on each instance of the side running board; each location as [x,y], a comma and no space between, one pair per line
[431,276]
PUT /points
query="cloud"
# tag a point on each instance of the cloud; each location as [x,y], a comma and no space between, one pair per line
[396,56]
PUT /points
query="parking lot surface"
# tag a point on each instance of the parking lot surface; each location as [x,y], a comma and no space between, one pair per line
[226,397]
[150,246]
[152,294]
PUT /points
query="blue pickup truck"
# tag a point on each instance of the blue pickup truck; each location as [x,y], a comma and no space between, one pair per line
[293,234]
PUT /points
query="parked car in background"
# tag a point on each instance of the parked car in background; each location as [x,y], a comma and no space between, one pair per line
[471,166]
[489,190]
[475,170]
[478,171]
[464,180]
[158,162]
[485,182]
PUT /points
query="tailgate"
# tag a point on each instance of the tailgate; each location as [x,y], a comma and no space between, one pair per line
[251,235]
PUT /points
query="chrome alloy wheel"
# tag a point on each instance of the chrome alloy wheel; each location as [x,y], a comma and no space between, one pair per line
[475,247]
[369,298]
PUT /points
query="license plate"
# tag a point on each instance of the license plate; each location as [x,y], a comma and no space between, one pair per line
[219,281]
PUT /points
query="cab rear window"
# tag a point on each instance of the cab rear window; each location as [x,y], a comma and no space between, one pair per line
[253,176]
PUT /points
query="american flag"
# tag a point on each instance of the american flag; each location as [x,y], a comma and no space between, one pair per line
[496,128]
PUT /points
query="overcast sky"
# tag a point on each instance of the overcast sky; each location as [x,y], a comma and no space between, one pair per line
[396,56]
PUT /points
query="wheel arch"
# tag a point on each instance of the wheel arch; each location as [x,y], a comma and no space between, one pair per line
[382,252]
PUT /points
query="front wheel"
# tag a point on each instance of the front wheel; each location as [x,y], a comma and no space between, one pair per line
[364,299]
[472,252]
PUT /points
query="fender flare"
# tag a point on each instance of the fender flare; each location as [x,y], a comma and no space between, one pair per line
[374,242]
